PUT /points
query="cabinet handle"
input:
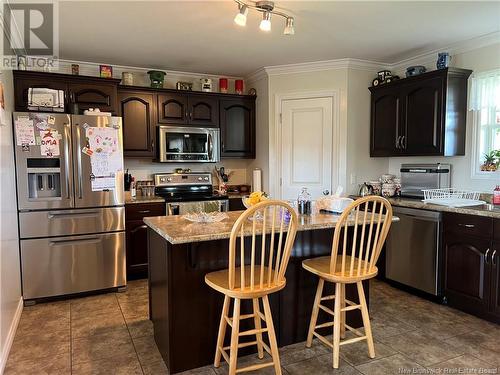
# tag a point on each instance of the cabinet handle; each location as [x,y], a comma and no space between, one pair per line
[397,141]
[139,228]
[466,225]
[152,145]
[493,257]
[222,146]
[486,256]
[145,211]
[403,144]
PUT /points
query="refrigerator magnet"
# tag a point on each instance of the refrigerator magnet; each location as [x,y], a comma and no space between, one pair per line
[87,151]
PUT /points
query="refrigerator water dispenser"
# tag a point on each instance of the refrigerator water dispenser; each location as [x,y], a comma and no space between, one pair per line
[44,178]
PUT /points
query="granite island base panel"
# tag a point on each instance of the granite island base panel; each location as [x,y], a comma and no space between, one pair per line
[186,312]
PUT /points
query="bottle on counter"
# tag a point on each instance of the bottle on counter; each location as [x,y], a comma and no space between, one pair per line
[304,202]
[133,190]
[496,196]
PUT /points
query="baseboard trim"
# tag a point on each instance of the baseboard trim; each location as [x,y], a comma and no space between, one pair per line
[10,336]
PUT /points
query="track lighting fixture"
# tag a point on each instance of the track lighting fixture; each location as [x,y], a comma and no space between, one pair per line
[267,9]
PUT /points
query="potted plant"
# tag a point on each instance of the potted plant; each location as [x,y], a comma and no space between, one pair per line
[491,161]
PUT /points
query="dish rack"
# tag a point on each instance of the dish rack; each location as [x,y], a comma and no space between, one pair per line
[452,197]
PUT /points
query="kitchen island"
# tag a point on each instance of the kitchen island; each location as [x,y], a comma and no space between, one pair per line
[186,312]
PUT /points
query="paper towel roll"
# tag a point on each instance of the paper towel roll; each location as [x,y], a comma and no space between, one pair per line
[257,179]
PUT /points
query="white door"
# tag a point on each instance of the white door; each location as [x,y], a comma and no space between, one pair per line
[306,147]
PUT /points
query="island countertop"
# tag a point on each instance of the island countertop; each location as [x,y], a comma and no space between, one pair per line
[177,230]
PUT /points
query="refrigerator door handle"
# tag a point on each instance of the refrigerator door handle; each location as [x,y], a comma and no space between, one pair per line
[67,141]
[79,161]
[79,215]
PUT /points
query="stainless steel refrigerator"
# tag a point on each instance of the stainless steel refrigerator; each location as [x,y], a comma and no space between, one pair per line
[70,196]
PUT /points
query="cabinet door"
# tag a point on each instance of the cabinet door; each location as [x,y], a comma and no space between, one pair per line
[22,85]
[137,251]
[173,109]
[137,111]
[385,122]
[237,126]
[203,111]
[423,117]
[93,95]
[495,279]
[467,271]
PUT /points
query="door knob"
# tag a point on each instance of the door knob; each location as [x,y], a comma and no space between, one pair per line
[326,192]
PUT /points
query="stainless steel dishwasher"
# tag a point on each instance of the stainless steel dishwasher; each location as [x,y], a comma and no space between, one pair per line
[413,249]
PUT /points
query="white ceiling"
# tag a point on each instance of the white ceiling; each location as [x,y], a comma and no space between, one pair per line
[200,36]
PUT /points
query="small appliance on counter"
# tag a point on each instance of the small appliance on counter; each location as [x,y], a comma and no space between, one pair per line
[415,178]
[189,193]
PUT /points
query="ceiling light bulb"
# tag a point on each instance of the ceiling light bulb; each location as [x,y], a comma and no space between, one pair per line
[265,24]
[289,28]
[241,17]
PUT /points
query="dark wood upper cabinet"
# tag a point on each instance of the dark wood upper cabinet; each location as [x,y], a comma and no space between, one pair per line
[385,112]
[137,111]
[91,95]
[173,108]
[237,128]
[203,110]
[80,92]
[423,125]
[423,115]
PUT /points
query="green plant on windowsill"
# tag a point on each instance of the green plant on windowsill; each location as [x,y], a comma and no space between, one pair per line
[491,161]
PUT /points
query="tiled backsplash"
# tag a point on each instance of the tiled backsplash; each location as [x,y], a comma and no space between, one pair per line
[143,169]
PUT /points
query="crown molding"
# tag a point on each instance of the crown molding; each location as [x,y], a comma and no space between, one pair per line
[454,49]
[92,69]
[324,65]
[427,58]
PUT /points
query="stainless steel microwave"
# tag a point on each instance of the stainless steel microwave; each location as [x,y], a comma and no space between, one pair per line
[188,145]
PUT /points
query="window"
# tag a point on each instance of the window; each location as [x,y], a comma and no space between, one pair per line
[484,100]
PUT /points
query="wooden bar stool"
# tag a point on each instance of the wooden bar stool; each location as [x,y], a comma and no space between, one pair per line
[258,273]
[354,263]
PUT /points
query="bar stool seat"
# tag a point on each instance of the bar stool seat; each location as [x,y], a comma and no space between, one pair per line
[262,257]
[219,280]
[321,266]
[350,262]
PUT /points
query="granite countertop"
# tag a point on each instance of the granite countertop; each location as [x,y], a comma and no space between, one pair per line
[141,199]
[177,230]
[483,210]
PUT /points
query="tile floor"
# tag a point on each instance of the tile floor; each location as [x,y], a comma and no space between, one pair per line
[111,334]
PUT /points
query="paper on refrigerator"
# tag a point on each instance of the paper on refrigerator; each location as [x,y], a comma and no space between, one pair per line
[106,157]
[25,133]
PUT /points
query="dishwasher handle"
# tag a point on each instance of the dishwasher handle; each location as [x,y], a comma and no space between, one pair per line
[418,214]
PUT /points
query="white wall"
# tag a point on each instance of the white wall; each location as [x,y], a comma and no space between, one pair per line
[10,278]
[482,59]
[360,167]
[261,84]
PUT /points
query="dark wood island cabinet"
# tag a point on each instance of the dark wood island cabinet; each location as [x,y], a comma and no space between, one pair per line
[186,312]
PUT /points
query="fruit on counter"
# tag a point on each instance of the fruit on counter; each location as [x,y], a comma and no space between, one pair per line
[254,198]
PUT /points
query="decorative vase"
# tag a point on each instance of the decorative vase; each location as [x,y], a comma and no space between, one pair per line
[156,77]
[443,60]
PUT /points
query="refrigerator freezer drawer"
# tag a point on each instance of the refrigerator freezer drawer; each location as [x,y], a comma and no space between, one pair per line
[37,224]
[66,265]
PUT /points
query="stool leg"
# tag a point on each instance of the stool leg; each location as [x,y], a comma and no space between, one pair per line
[272,336]
[233,356]
[336,326]
[256,311]
[366,319]
[315,311]
[342,314]
[222,331]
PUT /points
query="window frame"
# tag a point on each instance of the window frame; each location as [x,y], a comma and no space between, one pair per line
[476,172]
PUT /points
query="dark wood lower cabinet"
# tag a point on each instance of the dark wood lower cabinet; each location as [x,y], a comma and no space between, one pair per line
[495,279]
[466,271]
[136,235]
[235,204]
[471,265]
